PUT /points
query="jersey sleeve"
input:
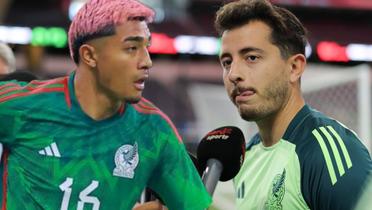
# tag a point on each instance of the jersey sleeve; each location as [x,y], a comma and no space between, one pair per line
[335,169]
[176,180]
[8,115]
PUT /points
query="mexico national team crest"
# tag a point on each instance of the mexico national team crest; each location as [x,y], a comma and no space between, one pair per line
[276,195]
[126,160]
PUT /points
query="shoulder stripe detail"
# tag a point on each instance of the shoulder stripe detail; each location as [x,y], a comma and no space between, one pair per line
[45,89]
[326,155]
[40,90]
[147,103]
[343,147]
[145,107]
[164,116]
[34,87]
[5,179]
[9,90]
[8,85]
[335,151]
[56,81]
[67,92]
[143,110]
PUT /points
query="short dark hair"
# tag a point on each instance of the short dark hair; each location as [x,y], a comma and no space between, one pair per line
[288,33]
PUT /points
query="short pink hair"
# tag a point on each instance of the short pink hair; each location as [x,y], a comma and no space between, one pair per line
[98,15]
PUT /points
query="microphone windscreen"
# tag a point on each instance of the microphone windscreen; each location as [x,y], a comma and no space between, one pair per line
[225,144]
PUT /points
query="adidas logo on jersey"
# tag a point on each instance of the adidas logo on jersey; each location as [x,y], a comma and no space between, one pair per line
[51,150]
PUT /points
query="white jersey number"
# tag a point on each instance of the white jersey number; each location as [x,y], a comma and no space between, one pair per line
[83,196]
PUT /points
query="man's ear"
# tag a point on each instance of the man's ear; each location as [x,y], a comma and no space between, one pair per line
[297,64]
[88,55]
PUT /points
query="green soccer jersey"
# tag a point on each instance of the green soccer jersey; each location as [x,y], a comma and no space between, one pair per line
[58,158]
[318,164]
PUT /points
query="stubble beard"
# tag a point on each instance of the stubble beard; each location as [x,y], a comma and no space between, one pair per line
[271,100]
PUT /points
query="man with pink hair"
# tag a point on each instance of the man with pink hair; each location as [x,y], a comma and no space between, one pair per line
[90,140]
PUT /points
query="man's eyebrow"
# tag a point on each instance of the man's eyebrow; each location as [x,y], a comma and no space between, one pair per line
[250,49]
[135,39]
[242,51]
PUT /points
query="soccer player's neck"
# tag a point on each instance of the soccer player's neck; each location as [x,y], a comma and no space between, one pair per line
[273,127]
[94,102]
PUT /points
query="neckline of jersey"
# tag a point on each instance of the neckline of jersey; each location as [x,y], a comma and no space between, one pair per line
[296,122]
[272,147]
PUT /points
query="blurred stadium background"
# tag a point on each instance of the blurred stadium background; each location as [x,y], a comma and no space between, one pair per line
[186,77]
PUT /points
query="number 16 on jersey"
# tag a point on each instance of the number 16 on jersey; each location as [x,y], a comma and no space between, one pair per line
[84,197]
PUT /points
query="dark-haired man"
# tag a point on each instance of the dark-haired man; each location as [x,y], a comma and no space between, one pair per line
[300,158]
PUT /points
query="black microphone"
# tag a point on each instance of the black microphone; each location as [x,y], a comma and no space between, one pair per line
[221,152]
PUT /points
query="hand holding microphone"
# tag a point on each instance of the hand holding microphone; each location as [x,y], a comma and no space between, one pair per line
[221,152]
